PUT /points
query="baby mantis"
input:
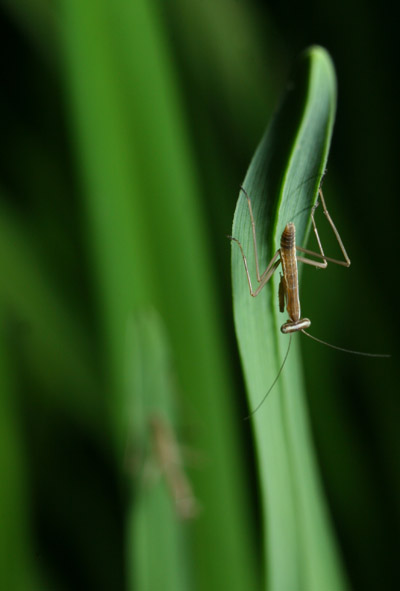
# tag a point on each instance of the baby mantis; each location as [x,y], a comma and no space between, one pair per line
[168,455]
[287,257]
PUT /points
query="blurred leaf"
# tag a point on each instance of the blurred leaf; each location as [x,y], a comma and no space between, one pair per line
[38,20]
[57,348]
[17,569]
[146,234]
[161,495]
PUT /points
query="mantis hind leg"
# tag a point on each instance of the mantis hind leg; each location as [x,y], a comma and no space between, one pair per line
[321,254]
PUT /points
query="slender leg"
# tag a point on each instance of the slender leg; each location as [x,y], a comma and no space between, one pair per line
[273,264]
[253,229]
[345,263]
[316,264]
[266,276]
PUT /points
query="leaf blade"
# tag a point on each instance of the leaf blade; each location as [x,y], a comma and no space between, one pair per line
[282,181]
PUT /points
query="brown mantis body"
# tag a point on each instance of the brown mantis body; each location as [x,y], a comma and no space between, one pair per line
[287,257]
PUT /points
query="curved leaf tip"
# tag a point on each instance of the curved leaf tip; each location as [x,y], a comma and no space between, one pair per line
[282,182]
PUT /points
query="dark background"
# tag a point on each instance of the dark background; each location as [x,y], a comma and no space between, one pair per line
[230,64]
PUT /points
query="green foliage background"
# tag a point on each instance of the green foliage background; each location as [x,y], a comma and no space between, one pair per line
[127,129]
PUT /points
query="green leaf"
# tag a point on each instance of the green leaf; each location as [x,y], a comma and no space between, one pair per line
[149,245]
[18,563]
[282,182]
[161,499]
[56,345]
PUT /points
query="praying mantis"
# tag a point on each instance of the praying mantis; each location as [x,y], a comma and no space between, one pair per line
[287,257]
